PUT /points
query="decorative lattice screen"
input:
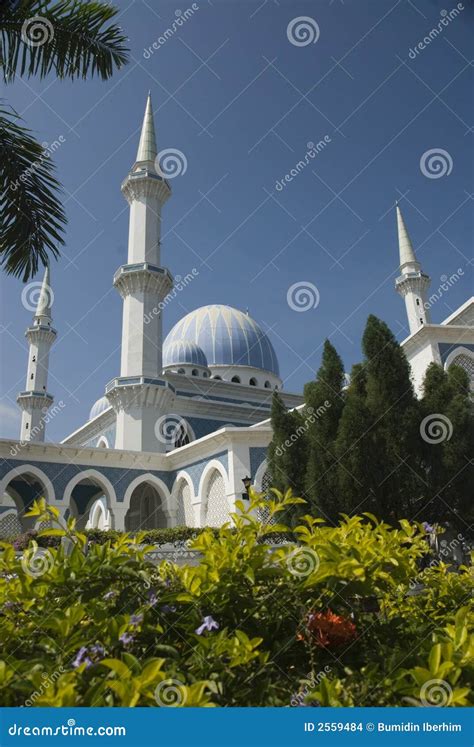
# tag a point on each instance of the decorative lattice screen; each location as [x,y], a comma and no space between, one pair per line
[464,361]
[263,513]
[217,507]
[10,525]
[185,514]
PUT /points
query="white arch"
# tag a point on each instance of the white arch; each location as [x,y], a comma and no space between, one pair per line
[257,481]
[102,443]
[214,464]
[99,516]
[29,469]
[96,477]
[460,350]
[181,477]
[163,491]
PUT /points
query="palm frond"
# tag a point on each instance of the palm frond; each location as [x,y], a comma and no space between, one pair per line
[31,216]
[71,38]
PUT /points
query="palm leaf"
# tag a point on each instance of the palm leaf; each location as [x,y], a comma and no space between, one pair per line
[70,38]
[32,217]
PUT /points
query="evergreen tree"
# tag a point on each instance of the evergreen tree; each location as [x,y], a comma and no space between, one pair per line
[357,487]
[324,404]
[447,445]
[396,475]
[287,452]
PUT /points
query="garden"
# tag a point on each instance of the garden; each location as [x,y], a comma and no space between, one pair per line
[351,614]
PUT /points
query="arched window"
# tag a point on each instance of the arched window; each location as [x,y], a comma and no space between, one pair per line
[253,381]
[267,385]
[194,372]
[181,436]
[465,362]
[181,371]
[217,511]
[205,374]
[236,379]
[184,515]
[217,378]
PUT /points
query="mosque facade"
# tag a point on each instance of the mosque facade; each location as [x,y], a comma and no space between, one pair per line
[185,425]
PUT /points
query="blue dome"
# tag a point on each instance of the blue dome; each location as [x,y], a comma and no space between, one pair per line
[98,407]
[183,351]
[227,336]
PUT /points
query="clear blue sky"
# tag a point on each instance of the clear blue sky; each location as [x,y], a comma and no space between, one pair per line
[241,102]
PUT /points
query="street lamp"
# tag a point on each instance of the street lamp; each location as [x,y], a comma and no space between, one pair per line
[247,485]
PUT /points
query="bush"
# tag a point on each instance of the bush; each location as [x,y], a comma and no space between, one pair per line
[342,617]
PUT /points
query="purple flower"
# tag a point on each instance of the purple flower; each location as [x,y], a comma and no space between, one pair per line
[97,650]
[126,638]
[208,623]
[109,595]
[136,619]
[82,658]
[427,527]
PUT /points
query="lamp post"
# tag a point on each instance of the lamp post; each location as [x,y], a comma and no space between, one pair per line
[247,485]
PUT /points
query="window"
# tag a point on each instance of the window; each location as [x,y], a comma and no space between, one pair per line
[181,370]
[34,359]
[218,378]
[181,437]
[417,301]
[421,320]
[194,372]
[32,376]
[235,379]
[267,385]
[205,374]
[27,425]
[253,382]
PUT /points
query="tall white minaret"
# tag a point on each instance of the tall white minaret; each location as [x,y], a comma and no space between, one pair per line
[412,284]
[140,394]
[35,400]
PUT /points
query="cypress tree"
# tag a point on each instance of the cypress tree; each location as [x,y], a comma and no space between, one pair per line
[324,404]
[394,415]
[447,445]
[287,452]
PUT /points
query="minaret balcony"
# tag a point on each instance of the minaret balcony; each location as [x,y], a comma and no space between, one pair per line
[412,281]
[145,183]
[41,333]
[143,276]
[34,399]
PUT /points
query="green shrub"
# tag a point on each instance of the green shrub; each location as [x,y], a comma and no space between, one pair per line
[332,619]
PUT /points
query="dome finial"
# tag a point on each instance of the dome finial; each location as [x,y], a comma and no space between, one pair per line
[147,150]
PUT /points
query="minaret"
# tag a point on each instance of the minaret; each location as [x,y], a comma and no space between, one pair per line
[412,284]
[35,400]
[140,394]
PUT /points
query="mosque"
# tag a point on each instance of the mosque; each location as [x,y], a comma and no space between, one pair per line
[184,427]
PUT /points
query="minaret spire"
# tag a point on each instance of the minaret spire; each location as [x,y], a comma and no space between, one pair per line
[412,284]
[147,150]
[35,400]
[407,254]
[139,394]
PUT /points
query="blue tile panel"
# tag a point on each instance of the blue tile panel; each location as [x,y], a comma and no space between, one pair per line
[257,455]
[445,348]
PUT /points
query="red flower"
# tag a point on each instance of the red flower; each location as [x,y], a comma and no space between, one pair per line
[329,630]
